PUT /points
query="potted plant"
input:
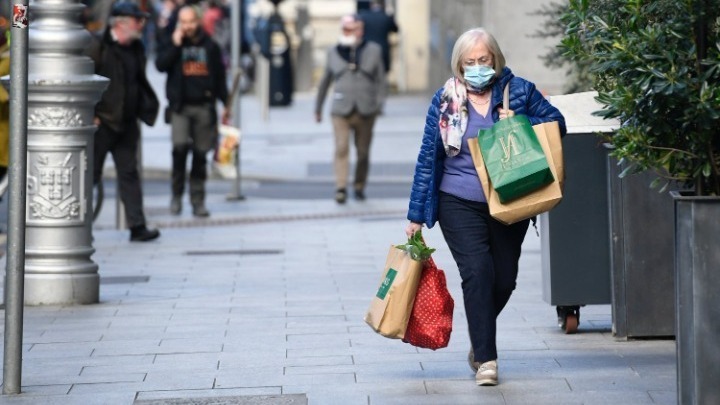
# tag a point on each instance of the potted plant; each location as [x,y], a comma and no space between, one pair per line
[639,308]
[656,67]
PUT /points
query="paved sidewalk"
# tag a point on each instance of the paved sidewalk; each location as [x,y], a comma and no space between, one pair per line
[263,304]
[275,308]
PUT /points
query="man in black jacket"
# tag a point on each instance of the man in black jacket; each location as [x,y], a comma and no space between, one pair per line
[120,56]
[196,80]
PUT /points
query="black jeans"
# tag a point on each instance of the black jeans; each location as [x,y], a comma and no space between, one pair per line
[487,253]
[194,129]
[123,146]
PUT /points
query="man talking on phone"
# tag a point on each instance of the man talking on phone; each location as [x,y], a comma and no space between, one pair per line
[196,81]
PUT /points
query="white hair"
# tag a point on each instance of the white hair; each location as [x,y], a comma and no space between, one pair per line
[466,42]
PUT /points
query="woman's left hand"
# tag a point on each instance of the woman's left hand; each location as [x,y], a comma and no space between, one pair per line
[412,228]
[505,113]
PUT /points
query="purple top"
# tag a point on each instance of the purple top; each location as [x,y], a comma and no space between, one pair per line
[459,175]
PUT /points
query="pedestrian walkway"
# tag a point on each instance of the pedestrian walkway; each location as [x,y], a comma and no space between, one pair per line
[275,308]
[263,303]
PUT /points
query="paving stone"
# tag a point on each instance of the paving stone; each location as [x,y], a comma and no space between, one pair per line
[430,399]
[130,349]
[318,361]
[43,390]
[339,390]
[239,400]
[226,394]
[114,376]
[666,397]
[394,372]
[339,398]
[578,398]
[154,382]
[240,378]
[114,398]
[116,333]
[251,359]
[58,350]
[309,329]
[311,341]
[424,356]
[608,380]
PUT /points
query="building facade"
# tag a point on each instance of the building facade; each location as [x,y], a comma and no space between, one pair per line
[428,30]
[514,25]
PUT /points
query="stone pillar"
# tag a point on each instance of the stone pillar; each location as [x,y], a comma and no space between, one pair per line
[62,93]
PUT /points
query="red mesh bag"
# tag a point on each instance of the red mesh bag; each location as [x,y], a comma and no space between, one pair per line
[431,318]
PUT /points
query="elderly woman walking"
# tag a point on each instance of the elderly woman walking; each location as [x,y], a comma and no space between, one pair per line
[446,188]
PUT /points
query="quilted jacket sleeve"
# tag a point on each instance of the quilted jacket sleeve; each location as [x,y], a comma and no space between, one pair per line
[539,109]
[425,167]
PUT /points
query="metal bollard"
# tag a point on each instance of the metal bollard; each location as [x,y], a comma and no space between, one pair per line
[15,270]
[234,102]
[263,78]
[63,91]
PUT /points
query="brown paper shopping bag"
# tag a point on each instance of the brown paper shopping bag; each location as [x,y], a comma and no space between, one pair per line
[537,202]
[392,305]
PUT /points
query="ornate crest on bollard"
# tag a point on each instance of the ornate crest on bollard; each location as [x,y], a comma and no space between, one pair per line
[62,93]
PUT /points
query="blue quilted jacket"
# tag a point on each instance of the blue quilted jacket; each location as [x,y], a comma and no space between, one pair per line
[525,99]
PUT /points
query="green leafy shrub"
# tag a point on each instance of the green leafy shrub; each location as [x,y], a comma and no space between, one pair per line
[656,67]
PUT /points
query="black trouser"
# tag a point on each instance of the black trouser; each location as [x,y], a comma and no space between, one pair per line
[194,129]
[487,254]
[198,173]
[123,146]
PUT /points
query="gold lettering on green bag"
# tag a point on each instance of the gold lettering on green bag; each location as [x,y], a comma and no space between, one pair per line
[509,146]
[385,286]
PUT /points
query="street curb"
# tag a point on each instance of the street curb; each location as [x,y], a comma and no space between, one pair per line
[229,221]
[150,173]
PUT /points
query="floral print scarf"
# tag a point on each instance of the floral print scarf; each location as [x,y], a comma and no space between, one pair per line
[453,115]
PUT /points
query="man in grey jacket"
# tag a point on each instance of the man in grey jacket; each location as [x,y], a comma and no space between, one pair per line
[355,69]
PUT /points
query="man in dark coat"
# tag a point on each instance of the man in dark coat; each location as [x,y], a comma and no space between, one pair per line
[378,25]
[196,81]
[120,56]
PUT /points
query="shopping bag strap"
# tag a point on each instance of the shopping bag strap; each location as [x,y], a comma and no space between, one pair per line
[506,97]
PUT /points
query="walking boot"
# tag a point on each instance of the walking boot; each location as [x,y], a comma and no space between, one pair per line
[200,211]
[340,196]
[197,198]
[359,194]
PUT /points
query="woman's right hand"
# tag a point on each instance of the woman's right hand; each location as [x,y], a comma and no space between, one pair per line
[412,228]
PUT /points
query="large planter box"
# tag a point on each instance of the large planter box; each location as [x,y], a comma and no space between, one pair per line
[697,267]
[574,235]
[641,250]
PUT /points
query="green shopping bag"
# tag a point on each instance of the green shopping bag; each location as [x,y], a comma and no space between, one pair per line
[513,156]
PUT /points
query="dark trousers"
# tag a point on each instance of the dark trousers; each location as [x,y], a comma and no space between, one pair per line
[487,254]
[123,146]
[194,129]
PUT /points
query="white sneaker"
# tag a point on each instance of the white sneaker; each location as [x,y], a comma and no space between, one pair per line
[487,374]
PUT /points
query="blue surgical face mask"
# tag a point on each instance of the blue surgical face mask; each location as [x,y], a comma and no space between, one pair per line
[477,77]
